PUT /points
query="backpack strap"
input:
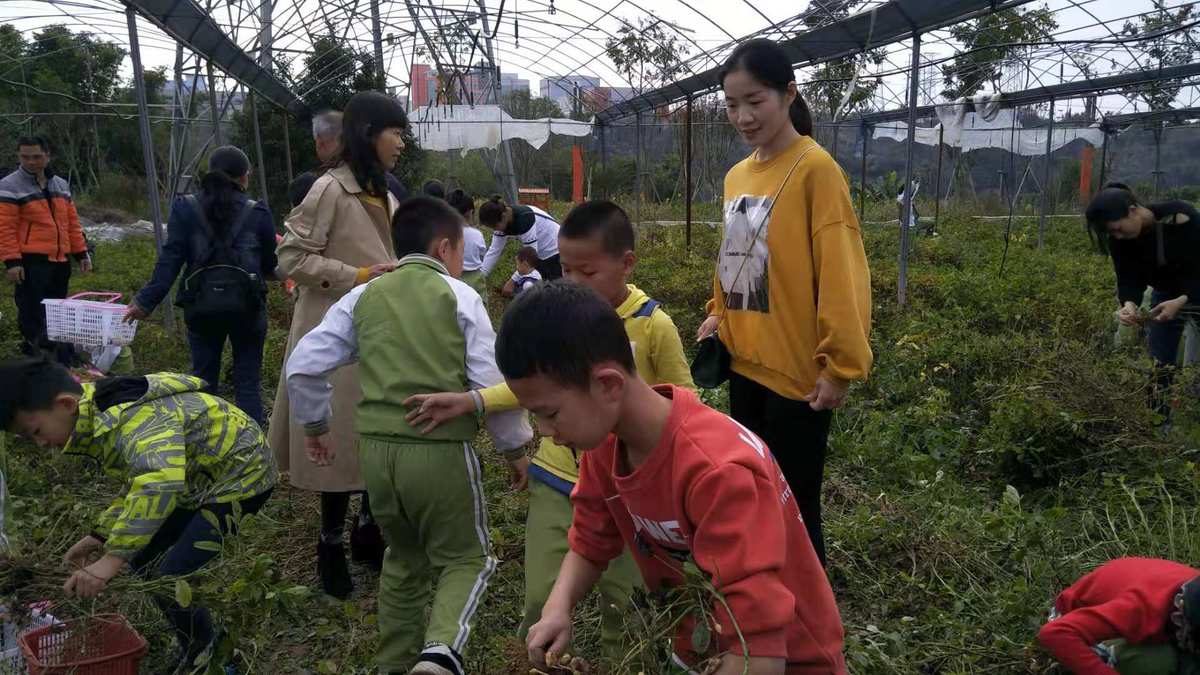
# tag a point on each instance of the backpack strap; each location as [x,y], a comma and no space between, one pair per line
[646,309]
[225,245]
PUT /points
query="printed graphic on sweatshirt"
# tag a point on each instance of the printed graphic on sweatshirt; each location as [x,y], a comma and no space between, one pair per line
[744,268]
[651,535]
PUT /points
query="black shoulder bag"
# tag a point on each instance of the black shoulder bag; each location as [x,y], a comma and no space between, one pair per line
[711,367]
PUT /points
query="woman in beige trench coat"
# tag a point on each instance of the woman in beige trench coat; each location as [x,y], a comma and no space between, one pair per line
[337,238]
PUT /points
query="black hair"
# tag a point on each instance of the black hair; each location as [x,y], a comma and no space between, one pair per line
[528,254]
[1191,605]
[770,64]
[299,187]
[367,114]
[461,201]
[39,141]
[561,330]
[32,384]
[434,188]
[219,187]
[419,221]
[1112,203]
[492,211]
[604,219]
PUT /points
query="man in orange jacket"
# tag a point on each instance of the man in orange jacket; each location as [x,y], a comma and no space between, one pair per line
[39,228]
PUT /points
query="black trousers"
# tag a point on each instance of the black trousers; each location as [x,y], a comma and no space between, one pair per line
[43,280]
[173,551]
[797,436]
[550,268]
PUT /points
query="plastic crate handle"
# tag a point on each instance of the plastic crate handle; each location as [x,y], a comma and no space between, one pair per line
[107,296]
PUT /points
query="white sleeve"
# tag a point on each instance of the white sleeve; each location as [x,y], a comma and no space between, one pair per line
[546,229]
[329,346]
[493,253]
[509,430]
[516,277]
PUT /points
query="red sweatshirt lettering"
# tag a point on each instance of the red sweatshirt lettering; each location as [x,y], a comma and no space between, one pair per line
[1130,598]
[712,493]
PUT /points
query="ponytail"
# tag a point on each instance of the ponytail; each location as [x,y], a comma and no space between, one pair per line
[801,116]
[221,185]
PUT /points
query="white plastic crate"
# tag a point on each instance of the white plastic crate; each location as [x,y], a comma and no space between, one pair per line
[12,662]
[88,322]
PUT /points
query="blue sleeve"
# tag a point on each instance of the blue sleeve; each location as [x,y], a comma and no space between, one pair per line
[266,246]
[171,259]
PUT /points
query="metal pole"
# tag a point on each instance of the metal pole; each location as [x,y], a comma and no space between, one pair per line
[937,187]
[1158,131]
[262,172]
[505,153]
[687,172]
[637,171]
[287,145]
[913,90]
[377,39]
[865,132]
[174,155]
[264,60]
[1103,156]
[604,158]
[1046,179]
[213,111]
[264,36]
[836,129]
[139,88]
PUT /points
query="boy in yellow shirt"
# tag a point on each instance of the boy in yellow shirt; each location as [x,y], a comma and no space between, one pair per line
[596,247]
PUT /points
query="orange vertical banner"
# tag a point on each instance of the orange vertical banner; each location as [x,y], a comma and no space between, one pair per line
[577,174]
[1085,174]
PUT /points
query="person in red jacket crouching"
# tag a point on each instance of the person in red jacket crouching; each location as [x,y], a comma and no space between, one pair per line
[675,481]
[1133,616]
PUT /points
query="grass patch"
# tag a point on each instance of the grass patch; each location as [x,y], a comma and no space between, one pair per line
[1001,449]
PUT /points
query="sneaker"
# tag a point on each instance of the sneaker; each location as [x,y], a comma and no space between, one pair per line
[367,546]
[333,571]
[438,660]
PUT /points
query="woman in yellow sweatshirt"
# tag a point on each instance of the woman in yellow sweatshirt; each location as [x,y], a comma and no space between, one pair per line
[792,292]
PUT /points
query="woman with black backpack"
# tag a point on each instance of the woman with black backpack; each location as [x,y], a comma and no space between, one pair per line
[1155,245]
[225,244]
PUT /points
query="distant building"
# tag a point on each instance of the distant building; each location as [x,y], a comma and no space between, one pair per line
[562,89]
[509,83]
[471,85]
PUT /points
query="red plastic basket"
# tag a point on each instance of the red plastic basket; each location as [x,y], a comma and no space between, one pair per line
[104,644]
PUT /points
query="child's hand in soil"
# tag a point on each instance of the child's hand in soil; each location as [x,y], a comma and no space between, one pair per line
[91,580]
[77,556]
[518,470]
[548,638]
[432,410]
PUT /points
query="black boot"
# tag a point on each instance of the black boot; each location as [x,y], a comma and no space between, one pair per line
[367,545]
[332,568]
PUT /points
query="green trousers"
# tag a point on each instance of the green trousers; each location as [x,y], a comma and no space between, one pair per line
[428,501]
[1153,660]
[476,280]
[545,547]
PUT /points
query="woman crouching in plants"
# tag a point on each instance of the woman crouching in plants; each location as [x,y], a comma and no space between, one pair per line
[1156,245]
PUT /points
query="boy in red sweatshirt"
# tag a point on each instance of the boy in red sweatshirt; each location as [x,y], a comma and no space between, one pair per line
[1133,616]
[674,480]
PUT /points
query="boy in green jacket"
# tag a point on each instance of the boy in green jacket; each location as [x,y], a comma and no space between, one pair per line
[414,330]
[187,456]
